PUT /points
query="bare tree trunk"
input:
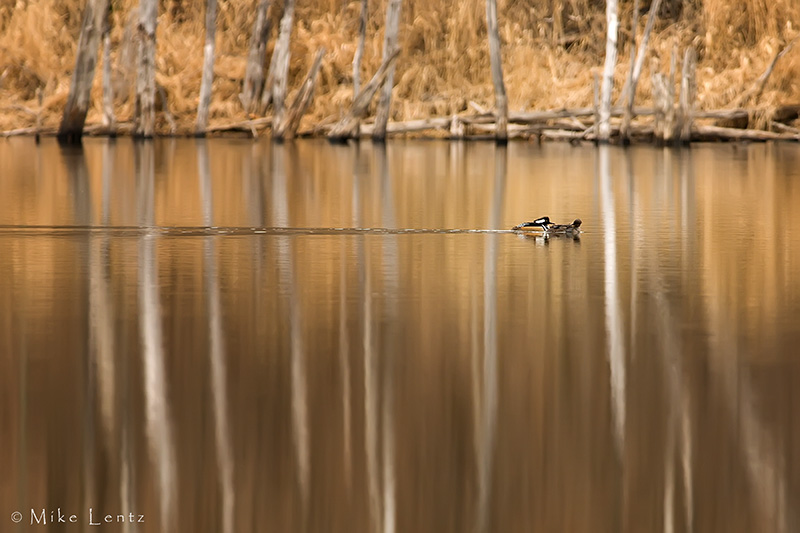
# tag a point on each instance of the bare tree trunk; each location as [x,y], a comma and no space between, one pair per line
[208,67]
[389,46]
[347,128]
[266,93]
[596,106]
[288,128]
[669,117]
[362,35]
[145,109]
[282,65]
[688,93]
[500,98]
[630,86]
[254,73]
[40,99]
[662,103]
[80,87]
[626,118]
[608,71]
[108,90]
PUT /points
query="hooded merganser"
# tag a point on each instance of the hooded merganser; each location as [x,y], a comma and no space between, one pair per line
[565,228]
[549,227]
[541,222]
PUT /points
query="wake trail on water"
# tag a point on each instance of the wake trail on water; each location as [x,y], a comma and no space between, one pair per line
[174,231]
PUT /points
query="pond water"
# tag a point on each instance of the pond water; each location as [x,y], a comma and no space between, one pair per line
[229,335]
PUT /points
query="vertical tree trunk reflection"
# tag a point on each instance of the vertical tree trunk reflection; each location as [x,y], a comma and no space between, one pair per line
[371,382]
[217,354]
[287,276]
[158,421]
[389,341]
[486,412]
[616,346]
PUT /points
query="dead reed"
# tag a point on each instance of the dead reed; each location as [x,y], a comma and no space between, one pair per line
[551,49]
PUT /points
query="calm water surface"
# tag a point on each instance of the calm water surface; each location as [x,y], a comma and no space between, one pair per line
[229,336]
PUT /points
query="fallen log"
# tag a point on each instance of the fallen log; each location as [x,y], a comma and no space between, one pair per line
[20,131]
[734,134]
[245,125]
[783,127]
[723,114]
[532,117]
[410,126]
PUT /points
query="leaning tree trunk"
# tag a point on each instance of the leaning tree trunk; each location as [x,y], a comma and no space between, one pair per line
[288,128]
[145,109]
[633,80]
[347,128]
[629,93]
[608,71]
[80,87]
[389,46]
[208,67]
[500,98]
[282,66]
[254,73]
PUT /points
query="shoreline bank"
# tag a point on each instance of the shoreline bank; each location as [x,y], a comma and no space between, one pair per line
[743,79]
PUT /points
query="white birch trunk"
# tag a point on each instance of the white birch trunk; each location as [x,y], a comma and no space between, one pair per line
[145,109]
[282,65]
[80,87]
[389,46]
[208,67]
[608,71]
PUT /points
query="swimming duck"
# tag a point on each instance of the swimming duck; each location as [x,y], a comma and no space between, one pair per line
[541,222]
[549,227]
[565,228]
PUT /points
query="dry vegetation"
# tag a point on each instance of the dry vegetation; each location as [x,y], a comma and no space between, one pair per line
[550,47]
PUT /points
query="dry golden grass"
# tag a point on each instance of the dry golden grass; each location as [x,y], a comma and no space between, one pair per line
[551,48]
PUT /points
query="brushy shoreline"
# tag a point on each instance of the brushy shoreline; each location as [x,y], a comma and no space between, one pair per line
[551,50]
